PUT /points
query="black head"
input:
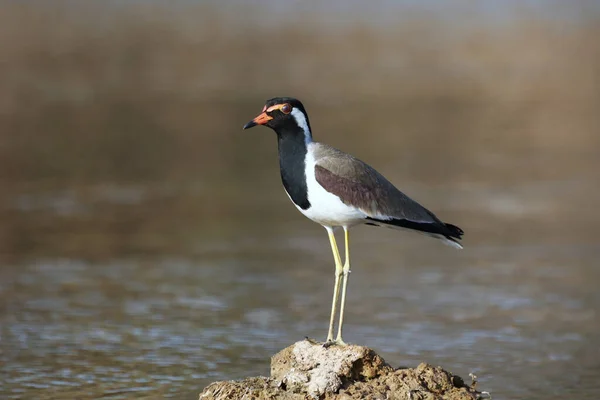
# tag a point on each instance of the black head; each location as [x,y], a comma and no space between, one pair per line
[282,113]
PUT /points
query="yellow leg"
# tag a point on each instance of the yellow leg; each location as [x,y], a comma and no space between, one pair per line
[336,287]
[345,272]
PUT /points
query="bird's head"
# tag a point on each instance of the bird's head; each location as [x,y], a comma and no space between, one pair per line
[283,114]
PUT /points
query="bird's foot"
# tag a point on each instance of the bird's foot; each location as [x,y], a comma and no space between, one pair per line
[336,342]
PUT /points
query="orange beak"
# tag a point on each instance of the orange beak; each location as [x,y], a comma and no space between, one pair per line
[260,120]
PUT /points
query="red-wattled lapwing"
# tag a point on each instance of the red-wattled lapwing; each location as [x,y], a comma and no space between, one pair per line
[335,189]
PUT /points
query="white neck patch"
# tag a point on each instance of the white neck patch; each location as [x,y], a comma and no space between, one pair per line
[301,121]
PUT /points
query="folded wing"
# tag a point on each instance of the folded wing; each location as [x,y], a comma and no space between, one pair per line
[359,185]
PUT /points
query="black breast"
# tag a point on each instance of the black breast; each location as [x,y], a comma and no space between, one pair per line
[292,155]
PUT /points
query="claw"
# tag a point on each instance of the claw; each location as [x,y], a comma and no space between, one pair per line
[336,342]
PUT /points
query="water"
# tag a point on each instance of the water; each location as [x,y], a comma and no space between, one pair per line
[179,304]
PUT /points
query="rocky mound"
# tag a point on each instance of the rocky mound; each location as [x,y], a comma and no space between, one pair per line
[308,369]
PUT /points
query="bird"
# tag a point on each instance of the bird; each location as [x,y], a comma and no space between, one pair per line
[336,189]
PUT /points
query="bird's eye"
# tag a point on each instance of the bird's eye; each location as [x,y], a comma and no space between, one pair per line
[286,108]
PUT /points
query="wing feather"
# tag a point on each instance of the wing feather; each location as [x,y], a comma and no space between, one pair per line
[359,185]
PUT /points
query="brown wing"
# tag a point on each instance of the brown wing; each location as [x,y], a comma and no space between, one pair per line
[359,185]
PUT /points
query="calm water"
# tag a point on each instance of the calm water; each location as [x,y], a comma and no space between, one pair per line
[149,290]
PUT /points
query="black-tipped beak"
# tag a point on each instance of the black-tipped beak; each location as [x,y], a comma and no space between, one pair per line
[249,125]
[260,120]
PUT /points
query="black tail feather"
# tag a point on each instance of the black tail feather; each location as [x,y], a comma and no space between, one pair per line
[456,231]
[449,231]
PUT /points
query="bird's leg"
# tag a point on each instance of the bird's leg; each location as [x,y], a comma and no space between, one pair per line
[336,287]
[345,272]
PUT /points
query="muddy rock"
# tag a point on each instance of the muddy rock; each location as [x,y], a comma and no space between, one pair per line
[308,370]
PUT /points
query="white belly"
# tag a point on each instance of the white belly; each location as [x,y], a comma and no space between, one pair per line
[326,208]
[333,214]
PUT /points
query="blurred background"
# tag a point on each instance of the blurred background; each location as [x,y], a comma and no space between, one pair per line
[147,247]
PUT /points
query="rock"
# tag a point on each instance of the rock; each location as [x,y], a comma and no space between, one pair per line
[309,370]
